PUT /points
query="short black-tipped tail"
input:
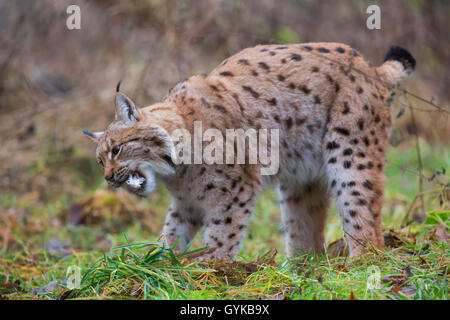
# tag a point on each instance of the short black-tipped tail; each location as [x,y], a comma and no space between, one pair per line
[403,56]
[393,73]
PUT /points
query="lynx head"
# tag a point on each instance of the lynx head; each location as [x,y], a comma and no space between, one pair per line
[132,152]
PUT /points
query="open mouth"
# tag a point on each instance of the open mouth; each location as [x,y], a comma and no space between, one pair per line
[136,181]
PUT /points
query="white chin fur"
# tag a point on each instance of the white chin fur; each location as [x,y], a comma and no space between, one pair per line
[151,180]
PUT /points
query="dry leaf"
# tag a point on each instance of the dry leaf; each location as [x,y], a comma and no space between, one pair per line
[396,288]
[440,233]
[341,268]
[395,279]
[338,248]
[408,290]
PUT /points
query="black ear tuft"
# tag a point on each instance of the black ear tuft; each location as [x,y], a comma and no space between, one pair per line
[402,55]
[118,85]
[86,132]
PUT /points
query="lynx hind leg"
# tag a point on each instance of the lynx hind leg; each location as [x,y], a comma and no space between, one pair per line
[357,183]
[303,213]
[180,226]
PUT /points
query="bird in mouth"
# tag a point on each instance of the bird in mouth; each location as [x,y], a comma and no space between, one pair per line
[136,181]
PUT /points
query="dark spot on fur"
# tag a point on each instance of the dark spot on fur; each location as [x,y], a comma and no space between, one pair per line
[220,108]
[346,108]
[304,89]
[226,74]
[367,184]
[337,87]
[342,131]
[361,124]
[323,50]
[317,99]
[272,101]
[354,53]
[347,152]
[362,202]
[263,65]
[289,123]
[251,91]
[347,164]
[332,145]
[296,57]
[366,141]
[300,121]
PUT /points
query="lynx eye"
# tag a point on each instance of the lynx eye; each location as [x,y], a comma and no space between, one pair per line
[116,150]
[100,162]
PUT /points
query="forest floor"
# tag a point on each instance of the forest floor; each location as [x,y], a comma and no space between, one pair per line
[59,218]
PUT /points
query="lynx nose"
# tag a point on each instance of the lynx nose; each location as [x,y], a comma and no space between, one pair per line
[110,177]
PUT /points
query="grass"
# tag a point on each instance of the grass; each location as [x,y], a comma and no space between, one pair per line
[149,271]
[108,244]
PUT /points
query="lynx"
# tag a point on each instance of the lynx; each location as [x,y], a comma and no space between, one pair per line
[332,110]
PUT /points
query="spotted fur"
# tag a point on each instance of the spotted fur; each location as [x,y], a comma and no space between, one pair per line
[330,107]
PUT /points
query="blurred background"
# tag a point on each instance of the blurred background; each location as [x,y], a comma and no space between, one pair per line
[55,81]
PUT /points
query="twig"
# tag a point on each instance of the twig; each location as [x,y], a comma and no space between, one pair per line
[414,200]
[419,156]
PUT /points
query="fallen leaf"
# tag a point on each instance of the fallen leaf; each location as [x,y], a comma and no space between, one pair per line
[6,288]
[407,271]
[395,279]
[396,288]
[408,290]
[337,248]
[58,248]
[49,287]
[352,296]
[440,233]
[392,240]
[341,268]
[136,290]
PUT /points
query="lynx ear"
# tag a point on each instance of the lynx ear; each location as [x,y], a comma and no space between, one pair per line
[94,136]
[126,111]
